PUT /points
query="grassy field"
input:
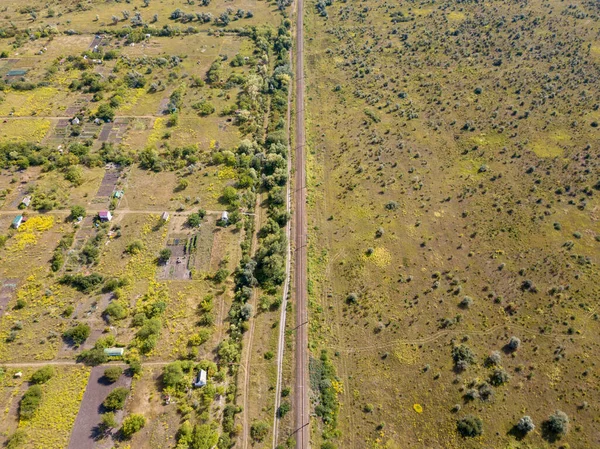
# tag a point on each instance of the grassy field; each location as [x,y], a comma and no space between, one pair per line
[451,168]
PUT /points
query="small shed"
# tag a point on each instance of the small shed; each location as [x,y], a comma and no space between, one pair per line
[165,216]
[225,217]
[105,215]
[114,352]
[75,121]
[118,194]
[26,201]
[17,221]
[200,379]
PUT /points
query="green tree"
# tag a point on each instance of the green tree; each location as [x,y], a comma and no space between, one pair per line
[105,112]
[116,399]
[204,437]
[165,255]
[113,373]
[77,211]
[173,375]
[77,334]
[42,375]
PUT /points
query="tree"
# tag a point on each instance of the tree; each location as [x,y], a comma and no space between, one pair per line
[77,334]
[132,424]
[470,426]
[173,375]
[165,255]
[525,424]
[194,220]
[30,402]
[113,373]
[514,343]
[558,423]
[259,430]
[77,211]
[230,195]
[116,399]
[105,112]
[42,375]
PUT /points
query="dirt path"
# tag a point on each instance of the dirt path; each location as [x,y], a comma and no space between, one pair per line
[301,405]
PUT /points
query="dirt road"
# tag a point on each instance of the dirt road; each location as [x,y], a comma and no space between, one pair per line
[301,404]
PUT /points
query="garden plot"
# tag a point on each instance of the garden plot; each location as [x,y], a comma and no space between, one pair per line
[183,250]
[109,182]
[85,433]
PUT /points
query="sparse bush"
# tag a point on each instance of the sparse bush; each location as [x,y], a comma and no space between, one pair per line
[494,359]
[466,302]
[462,353]
[499,377]
[470,426]
[514,343]
[525,424]
[558,423]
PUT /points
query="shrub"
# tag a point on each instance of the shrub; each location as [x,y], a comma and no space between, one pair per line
[77,334]
[30,402]
[525,424]
[135,247]
[470,426]
[116,311]
[132,424]
[164,255]
[17,439]
[116,399]
[259,430]
[558,423]
[108,421]
[113,373]
[42,375]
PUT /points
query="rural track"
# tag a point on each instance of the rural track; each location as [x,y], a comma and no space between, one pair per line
[301,403]
[286,283]
[95,211]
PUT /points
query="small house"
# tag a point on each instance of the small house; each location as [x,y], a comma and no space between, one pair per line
[200,379]
[224,217]
[26,201]
[114,352]
[75,121]
[105,215]
[165,216]
[17,221]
